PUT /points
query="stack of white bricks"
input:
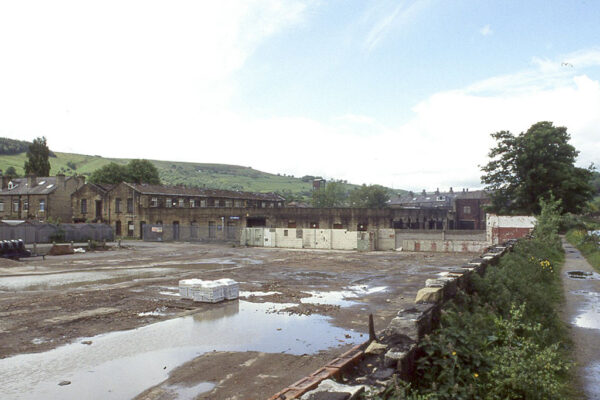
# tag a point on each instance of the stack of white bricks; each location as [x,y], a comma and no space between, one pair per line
[208,291]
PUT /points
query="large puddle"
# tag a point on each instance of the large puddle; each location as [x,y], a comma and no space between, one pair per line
[120,365]
[72,279]
[589,314]
[342,298]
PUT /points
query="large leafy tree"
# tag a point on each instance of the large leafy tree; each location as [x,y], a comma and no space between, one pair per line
[142,171]
[371,196]
[332,195]
[136,171]
[535,165]
[37,162]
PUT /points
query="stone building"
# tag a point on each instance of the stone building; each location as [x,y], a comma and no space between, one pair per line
[127,207]
[38,198]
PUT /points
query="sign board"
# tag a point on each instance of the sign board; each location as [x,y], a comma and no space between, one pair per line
[234,217]
[157,229]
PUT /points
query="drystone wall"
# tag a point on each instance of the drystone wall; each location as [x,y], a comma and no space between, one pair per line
[395,349]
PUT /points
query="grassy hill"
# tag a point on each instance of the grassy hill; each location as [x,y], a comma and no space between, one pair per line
[216,176]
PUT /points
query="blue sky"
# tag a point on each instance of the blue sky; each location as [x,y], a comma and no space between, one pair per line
[400,93]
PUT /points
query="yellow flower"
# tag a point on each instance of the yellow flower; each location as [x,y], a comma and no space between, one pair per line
[476,375]
[453,353]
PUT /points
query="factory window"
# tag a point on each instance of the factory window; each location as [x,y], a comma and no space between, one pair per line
[1,205]
[228,203]
[202,203]
[169,202]
[192,203]
[238,204]
[181,203]
[118,205]
[285,232]
[42,205]
[130,206]
[15,205]
[83,206]
[467,209]
[25,205]
[154,202]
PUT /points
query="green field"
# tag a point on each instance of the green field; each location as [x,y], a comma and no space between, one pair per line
[215,176]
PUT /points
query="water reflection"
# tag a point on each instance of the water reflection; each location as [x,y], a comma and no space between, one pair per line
[119,365]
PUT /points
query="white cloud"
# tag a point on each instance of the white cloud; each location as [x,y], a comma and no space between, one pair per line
[94,82]
[486,30]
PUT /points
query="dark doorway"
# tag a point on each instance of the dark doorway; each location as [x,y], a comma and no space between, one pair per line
[130,229]
[99,210]
[212,229]
[467,225]
[256,222]
[231,229]
[175,230]
[118,228]
[142,223]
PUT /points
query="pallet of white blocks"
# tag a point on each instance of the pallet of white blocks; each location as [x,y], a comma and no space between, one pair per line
[186,285]
[231,289]
[209,291]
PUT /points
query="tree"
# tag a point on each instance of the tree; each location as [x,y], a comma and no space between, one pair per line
[136,171]
[37,158]
[372,196]
[12,172]
[142,171]
[534,166]
[332,195]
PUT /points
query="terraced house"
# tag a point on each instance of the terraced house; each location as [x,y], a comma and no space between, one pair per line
[38,198]
[128,207]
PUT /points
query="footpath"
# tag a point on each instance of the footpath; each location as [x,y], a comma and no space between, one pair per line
[581,285]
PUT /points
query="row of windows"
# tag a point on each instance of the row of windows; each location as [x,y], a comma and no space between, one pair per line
[16,204]
[194,203]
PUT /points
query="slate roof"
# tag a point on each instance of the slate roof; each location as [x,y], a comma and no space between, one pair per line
[202,192]
[435,199]
[44,185]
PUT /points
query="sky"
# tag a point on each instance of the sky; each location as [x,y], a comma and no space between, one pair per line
[398,93]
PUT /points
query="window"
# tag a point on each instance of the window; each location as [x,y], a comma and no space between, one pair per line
[42,205]
[25,205]
[83,206]
[441,198]
[169,202]
[154,202]
[467,210]
[263,204]
[285,232]
[118,205]
[202,203]
[181,203]
[130,206]
[221,203]
[192,203]
[237,203]
[15,205]
[228,203]
[1,205]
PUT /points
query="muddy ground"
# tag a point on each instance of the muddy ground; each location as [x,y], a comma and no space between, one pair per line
[51,302]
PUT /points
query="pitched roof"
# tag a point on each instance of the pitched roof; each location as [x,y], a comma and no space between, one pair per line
[427,200]
[20,186]
[145,188]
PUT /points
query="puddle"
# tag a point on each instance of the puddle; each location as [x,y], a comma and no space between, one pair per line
[592,380]
[589,317]
[184,393]
[246,293]
[73,279]
[122,364]
[583,275]
[341,297]
[159,312]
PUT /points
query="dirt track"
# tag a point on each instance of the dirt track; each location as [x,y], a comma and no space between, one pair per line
[48,303]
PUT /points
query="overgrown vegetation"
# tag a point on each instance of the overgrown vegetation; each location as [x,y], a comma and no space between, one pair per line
[505,339]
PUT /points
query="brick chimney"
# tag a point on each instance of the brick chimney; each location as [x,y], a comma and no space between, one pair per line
[31,181]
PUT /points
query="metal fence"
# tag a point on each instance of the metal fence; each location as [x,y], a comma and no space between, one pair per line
[47,233]
[190,233]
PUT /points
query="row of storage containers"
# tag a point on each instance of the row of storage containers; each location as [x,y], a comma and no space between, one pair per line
[209,291]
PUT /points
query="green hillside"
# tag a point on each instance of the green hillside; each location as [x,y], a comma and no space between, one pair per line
[216,176]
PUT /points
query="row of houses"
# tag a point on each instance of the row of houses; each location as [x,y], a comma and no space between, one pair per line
[135,210]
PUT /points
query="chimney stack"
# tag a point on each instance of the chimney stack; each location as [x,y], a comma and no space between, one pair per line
[451,191]
[31,181]
[424,192]
[60,179]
